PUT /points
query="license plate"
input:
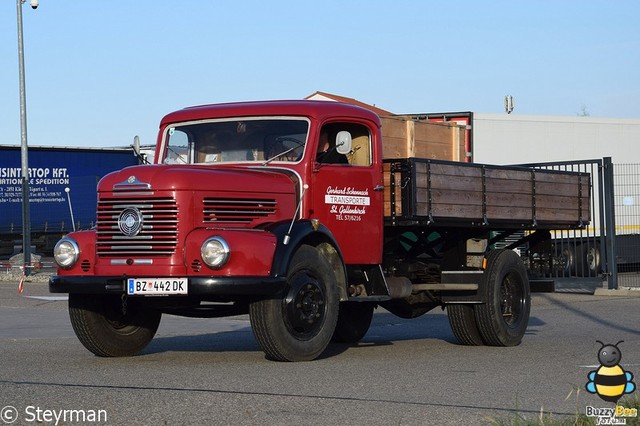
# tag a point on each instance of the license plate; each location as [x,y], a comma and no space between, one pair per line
[157,286]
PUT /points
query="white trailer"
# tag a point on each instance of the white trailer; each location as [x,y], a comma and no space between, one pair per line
[512,138]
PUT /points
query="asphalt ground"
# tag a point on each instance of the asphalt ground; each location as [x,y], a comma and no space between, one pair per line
[404,372]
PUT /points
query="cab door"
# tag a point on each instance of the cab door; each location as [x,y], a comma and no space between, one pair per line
[347,194]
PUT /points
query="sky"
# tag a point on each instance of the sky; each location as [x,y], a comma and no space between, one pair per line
[99,73]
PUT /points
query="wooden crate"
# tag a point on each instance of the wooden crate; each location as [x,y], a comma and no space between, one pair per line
[474,194]
[403,137]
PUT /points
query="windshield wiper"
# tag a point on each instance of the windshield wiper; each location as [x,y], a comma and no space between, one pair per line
[285,152]
[178,156]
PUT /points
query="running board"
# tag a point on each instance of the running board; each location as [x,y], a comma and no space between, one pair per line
[445,287]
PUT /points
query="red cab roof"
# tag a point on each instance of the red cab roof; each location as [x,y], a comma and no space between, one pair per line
[318,110]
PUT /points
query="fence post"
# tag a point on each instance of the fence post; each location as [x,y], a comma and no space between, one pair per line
[610,224]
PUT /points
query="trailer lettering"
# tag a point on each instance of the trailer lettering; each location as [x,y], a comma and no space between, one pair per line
[34,172]
[60,172]
[10,172]
[50,181]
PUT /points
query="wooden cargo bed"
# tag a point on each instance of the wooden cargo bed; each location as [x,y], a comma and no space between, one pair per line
[445,193]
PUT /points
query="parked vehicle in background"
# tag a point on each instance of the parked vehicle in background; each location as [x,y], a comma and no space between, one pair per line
[62,188]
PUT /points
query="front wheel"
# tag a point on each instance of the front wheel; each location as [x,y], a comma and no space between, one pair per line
[503,320]
[299,325]
[108,327]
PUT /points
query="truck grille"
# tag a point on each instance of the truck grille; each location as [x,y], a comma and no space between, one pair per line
[237,211]
[137,226]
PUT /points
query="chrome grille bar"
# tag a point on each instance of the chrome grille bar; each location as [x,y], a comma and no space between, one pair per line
[157,237]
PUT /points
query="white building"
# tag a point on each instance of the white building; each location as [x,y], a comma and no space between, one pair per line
[513,139]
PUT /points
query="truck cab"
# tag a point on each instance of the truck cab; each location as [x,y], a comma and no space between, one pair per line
[330,152]
[242,199]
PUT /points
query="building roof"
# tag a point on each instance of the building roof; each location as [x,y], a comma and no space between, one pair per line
[324,96]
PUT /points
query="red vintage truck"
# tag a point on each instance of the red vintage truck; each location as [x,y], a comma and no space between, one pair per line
[287,211]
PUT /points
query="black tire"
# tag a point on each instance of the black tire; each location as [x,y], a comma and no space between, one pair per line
[354,320]
[503,320]
[101,326]
[299,325]
[462,319]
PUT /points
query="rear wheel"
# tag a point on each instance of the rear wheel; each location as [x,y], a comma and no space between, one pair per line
[463,324]
[108,328]
[503,320]
[299,325]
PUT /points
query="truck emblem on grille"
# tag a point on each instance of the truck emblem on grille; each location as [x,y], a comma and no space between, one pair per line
[130,221]
[131,184]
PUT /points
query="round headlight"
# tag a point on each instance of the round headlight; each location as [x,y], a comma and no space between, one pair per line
[66,253]
[215,252]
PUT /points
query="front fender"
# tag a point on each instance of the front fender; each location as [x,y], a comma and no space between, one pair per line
[303,232]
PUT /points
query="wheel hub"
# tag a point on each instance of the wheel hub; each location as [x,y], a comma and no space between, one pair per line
[305,305]
[309,303]
[511,301]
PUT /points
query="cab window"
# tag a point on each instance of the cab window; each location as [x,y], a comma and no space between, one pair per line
[360,154]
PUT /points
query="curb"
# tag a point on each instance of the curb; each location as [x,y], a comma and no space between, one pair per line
[621,292]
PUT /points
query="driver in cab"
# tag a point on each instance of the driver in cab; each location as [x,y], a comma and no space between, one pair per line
[327,152]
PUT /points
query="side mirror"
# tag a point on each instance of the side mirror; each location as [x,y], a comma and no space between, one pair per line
[343,142]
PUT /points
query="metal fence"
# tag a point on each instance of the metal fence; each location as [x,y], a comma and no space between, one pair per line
[608,249]
[626,196]
[577,255]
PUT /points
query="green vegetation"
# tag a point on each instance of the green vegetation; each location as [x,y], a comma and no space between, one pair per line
[580,418]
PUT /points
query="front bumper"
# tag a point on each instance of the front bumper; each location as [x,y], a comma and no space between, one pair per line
[198,286]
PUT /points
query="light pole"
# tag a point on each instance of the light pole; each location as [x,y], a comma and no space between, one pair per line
[26,217]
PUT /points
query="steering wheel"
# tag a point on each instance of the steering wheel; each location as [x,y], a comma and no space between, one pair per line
[286,153]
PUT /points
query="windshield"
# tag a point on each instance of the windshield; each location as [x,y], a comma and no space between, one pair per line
[247,139]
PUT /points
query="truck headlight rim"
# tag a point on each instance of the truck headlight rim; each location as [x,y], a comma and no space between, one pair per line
[215,252]
[66,253]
